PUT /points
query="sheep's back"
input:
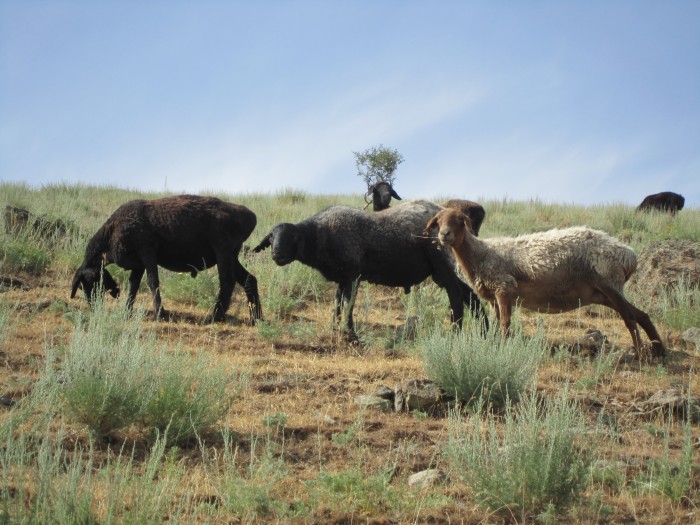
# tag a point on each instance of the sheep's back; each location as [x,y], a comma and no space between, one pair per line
[387,247]
[577,250]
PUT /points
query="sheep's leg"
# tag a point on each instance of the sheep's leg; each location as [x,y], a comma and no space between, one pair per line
[250,285]
[504,311]
[225,267]
[633,316]
[475,306]
[445,278]
[345,297]
[657,347]
[134,282]
[154,285]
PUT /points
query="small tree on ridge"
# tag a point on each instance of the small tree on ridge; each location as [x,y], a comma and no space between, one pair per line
[377,164]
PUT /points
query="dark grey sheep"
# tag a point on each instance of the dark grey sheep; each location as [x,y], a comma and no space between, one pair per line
[388,248]
[381,193]
[553,271]
[664,201]
[186,233]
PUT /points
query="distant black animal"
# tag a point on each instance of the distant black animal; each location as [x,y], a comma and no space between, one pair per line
[664,201]
[388,247]
[381,193]
[186,233]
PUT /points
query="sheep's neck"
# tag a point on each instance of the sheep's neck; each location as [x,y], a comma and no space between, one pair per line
[468,255]
[309,233]
[98,247]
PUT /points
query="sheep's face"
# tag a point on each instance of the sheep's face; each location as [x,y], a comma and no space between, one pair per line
[89,278]
[287,243]
[382,192]
[451,225]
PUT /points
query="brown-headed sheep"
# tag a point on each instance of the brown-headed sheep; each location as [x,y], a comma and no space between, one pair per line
[553,271]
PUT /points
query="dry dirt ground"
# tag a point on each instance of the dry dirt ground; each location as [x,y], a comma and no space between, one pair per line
[314,380]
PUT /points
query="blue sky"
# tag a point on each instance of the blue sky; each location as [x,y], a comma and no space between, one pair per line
[581,102]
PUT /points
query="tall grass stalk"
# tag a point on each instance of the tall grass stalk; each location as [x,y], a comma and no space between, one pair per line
[249,491]
[43,482]
[472,367]
[526,463]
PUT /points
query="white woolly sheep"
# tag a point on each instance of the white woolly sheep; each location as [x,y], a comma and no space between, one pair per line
[553,271]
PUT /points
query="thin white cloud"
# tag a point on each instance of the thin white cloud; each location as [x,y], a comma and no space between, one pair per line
[306,149]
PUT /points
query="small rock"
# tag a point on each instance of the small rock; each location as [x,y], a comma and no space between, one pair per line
[325,418]
[692,335]
[426,478]
[673,401]
[374,402]
[417,394]
[6,401]
[384,392]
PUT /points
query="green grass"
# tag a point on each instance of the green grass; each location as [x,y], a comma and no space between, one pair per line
[537,463]
[114,375]
[474,368]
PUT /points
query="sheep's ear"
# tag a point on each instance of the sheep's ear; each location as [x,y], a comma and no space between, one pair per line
[77,282]
[431,224]
[265,243]
[109,284]
[468,224]
[394,194]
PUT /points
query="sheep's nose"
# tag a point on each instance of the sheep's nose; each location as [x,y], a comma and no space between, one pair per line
[444,236]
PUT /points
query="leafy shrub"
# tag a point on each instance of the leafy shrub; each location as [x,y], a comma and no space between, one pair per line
[22,255]
[473,367]
[534,464]
[113,375]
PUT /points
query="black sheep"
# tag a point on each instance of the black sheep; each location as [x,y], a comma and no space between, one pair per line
[664,201]
[186,233]
[381,192]
[387,248]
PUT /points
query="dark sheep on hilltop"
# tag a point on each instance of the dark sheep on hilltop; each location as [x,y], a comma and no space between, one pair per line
[348,245]
[381,193]
[664,201]
[186,233]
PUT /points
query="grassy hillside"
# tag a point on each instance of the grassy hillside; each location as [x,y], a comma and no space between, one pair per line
[115,418]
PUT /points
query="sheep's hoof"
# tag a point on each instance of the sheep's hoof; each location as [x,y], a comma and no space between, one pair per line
[163,315]
[658,349]
[254,314]
[216,318]
[350,337]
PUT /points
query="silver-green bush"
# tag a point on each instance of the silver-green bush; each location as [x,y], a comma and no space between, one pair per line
[114,375]
[536,462]
[473,367]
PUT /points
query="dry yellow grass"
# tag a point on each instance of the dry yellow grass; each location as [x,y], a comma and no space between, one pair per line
[314,379]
